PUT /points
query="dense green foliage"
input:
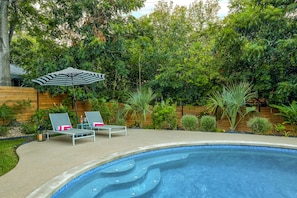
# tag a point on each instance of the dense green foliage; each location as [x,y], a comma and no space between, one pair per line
[182,53]
[260,125]
[190,122]
[208,123]
[256,44]
[111,112]
[164,116]
[8,156]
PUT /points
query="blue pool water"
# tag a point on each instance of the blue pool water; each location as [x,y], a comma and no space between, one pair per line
[192,171]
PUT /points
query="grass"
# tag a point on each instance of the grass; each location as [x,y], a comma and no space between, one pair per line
[8,155]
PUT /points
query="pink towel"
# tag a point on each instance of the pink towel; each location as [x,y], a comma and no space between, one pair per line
[96,124]
[64,127]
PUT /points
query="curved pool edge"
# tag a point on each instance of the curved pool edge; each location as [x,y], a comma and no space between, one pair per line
[52,186]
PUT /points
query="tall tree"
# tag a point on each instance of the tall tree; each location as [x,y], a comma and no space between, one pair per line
[182,44]
[16,16]
[257,43]
[4,45]
[83,34]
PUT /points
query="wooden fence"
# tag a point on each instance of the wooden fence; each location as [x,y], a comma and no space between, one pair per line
[10,95]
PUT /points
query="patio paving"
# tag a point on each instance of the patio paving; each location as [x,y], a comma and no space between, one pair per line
[44,166]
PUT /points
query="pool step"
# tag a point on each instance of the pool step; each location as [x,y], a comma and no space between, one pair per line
[163,160]
[119,168]
[137,189]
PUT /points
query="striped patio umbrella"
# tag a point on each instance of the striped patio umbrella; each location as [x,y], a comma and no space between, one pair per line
[70,77]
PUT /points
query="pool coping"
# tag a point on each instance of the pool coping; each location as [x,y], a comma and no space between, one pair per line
[49,188]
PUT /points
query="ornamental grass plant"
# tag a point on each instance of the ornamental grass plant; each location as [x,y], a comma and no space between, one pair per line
[208,123]
[190,122]
[260,125]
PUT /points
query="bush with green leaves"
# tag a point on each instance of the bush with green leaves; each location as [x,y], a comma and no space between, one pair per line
[280,128]
[100,104]
[3,130]
[289,113]
[164,116]
[39,119]
[64,109]
[29,128]
[190,122]
[8,113]
[111,111]
[260,125]
[208,123]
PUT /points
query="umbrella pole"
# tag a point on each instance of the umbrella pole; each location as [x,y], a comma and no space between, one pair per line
[74,102]
[75,106]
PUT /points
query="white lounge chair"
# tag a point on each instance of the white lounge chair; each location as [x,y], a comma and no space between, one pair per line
[61,125]
[96,122]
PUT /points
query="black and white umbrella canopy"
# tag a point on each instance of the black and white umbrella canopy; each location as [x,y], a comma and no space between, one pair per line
[69,77]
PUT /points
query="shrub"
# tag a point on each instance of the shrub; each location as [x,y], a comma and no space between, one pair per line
[208,123]
[63,109]
[289,113]
[259,125]
[8,113]
[111,111]
[29,128]
[189,122]
[164,116]
[3,130]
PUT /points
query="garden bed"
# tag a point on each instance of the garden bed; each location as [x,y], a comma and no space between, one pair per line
[15,132]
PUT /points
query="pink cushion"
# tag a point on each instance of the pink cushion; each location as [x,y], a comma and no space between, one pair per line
[64,127]
[96,124]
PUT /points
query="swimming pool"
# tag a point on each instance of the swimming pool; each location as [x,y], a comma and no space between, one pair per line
[187,171]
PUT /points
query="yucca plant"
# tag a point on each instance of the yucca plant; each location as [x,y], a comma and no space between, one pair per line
[231,102]
[289,113]
[138,104]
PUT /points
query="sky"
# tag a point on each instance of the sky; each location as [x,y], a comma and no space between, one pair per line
[149,6]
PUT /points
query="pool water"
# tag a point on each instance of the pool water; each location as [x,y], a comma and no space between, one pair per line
[193,171]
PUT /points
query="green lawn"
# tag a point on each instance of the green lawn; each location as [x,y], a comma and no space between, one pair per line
[8,156]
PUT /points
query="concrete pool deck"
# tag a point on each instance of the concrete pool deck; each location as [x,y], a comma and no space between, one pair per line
[44,166]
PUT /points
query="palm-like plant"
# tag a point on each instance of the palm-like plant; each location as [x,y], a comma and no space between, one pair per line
[289,113]
[138,104]
[232,102]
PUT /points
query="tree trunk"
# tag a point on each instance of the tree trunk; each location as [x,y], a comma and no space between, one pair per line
[4,45]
